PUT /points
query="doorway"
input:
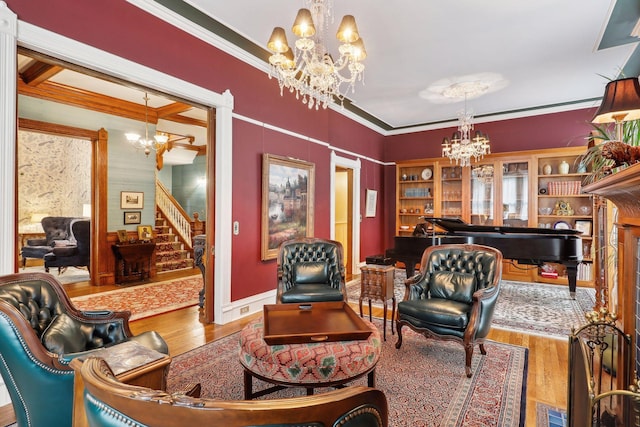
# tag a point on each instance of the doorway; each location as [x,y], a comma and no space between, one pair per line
[345,209]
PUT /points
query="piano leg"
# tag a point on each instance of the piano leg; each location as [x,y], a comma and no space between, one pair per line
[572,274]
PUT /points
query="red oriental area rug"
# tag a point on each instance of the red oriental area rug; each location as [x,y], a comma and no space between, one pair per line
[424,381]
[146,300]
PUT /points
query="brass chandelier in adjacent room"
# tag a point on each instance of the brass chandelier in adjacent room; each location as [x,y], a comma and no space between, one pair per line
[462,147]
[160,142]
[310,70]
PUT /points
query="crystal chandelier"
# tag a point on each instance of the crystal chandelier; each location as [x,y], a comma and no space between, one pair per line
[462,146]
[310,71]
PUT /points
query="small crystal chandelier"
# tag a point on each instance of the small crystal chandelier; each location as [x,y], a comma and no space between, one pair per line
[462,147]
[146,143]
[311,72]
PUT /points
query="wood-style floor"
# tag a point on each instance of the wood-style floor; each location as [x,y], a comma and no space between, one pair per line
[185,330]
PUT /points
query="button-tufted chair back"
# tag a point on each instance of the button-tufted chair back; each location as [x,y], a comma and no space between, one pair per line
[480,263]
[41,332]
[310,269]
[454,295]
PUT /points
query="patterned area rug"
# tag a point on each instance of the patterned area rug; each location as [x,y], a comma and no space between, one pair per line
[530,308]
[146,300]
[67,275]
[424,381]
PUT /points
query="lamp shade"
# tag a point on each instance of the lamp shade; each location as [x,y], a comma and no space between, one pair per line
[303,25]
[348,30]
[278,41]
[621,101]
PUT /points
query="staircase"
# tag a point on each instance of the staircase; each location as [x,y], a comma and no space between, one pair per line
[171,254]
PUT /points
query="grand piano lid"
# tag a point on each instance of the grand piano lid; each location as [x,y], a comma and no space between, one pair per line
[457,226]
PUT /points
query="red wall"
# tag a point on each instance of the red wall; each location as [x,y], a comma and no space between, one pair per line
[117,27]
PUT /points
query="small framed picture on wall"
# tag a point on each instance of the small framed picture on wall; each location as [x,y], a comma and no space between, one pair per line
[132,217]
[131,200]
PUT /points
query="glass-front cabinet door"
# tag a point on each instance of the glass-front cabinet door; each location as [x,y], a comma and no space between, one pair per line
[483,194]
[451,198]
[515,194]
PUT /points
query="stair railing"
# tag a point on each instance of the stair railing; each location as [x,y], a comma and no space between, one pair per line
[175,215]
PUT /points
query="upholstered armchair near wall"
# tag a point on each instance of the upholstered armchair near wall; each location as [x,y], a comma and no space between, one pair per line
[75,251]
[454,296]
[42,332]
[56,228]
[310,270]
[111,403]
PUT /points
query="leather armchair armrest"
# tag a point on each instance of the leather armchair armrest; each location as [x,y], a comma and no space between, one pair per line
[97,314]
[37,242]
[416,286]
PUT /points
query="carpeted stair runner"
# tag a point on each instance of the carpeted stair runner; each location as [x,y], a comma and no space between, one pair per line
[170,252]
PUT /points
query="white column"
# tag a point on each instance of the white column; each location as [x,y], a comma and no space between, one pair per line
[8,120]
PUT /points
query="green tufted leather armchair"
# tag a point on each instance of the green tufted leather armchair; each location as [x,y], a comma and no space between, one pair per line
[310,270]
[41,333]
[454,296]
[111,403]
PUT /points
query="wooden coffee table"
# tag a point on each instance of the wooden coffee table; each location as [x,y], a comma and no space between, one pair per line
[324,345]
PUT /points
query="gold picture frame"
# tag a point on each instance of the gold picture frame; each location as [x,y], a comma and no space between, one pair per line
[145,233]
[288,188]
[122,236]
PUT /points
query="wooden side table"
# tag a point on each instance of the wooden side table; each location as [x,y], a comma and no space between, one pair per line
[132,363]
[133,261]
[376,282]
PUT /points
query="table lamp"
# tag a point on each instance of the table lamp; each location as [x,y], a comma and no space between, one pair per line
[620,103]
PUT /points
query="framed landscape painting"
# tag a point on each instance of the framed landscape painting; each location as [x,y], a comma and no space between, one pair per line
[287,201]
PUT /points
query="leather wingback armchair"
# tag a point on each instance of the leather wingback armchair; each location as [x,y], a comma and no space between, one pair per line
[111,403]
[42,332]
[454,296]
[77,250]
[310,270]
[56,228]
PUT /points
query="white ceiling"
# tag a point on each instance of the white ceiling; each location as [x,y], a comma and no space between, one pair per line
[547,50]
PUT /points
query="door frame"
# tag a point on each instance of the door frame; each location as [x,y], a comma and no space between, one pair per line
[75,52]
[354,166]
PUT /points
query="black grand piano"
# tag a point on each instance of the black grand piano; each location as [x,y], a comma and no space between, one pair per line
[532,246]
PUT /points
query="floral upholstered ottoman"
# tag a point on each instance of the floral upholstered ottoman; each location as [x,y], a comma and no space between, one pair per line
[309,365]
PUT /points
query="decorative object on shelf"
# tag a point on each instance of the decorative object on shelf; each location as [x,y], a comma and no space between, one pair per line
[462,146]
[584,210]
[404,177]
[562,225]
[483,173]
[426,174]
[545,211]
[563,208]
[542,191]
[311,72]
[144,233]
[582,167]
[546,169]
[584,227]
[563,168]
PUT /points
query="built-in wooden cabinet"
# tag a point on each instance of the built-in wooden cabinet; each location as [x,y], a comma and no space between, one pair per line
[518,189]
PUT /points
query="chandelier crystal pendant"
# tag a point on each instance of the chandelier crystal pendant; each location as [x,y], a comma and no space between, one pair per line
[310,70]
[462,147]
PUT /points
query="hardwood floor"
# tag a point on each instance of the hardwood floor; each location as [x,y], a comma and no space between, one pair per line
[185,330]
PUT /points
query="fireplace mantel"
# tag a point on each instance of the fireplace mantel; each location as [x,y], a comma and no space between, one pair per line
[623,190]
